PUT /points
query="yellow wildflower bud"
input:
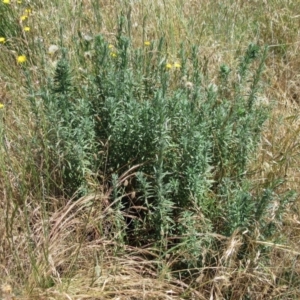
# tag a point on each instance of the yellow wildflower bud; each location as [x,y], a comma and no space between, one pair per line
[147,43]
[26,28]
[168,66]
[2,40]
[21,59]
[177,65]
[6,1]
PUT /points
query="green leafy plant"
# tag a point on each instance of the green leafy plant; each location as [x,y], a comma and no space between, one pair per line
[189,141]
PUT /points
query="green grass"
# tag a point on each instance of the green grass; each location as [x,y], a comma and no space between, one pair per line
[153,154]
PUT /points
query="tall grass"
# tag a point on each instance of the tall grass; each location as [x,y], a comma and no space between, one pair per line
[139,158]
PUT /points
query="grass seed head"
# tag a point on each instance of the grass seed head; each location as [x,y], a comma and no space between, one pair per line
[6,289]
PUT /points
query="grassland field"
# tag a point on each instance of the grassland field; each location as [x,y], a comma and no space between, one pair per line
[149,149]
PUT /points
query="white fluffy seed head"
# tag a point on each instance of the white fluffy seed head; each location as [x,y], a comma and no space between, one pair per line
[53,49]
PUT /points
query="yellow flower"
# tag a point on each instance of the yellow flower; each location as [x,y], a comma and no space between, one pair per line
[6,1]
[21,59]
[19,1]
[147,43]
[110,46]
[113,54]
[168,66]
[177,65]
[26,28]
[2,40]
[27,11]
[23,18]
[1,105]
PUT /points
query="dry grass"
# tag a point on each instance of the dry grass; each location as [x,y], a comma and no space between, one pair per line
[67,257]
[72,251]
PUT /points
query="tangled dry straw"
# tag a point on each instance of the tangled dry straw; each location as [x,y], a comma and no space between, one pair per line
[53,246]
[69,256]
